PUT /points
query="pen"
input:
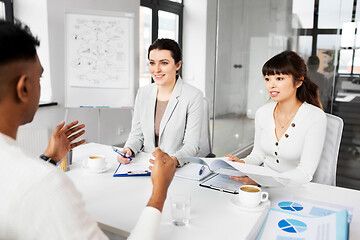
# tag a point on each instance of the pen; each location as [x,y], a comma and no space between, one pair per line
[201,170]
[121,154]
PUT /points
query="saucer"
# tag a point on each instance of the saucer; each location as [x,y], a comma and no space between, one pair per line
[259,208]
[104,169]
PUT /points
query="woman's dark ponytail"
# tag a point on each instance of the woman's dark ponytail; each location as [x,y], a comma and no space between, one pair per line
[309,92]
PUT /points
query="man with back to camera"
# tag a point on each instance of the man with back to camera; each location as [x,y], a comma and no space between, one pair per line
[38,201]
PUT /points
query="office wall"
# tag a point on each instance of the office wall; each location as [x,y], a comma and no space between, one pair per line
[53,15]
[39,27]
[194,43]
[199,36]
[198,49]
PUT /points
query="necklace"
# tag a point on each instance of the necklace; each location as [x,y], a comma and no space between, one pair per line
[283,125]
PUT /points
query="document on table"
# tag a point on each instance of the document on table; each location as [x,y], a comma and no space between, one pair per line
[138,166]
[192,171]
[286,225]
[222,183]
[262,175]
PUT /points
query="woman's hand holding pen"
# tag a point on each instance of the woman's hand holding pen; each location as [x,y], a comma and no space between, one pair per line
[127,153]
[234,159]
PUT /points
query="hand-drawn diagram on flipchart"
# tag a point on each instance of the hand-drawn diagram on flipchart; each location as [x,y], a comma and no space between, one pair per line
[98,51]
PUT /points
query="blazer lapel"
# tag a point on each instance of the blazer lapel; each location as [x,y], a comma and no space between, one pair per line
[171,105]
[150,111]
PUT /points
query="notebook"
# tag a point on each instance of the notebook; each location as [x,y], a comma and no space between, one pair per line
[192,171]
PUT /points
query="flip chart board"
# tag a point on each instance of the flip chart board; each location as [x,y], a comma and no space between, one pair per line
[99,61]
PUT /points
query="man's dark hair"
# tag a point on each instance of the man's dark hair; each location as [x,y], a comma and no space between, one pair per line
[313,63]
[16,42]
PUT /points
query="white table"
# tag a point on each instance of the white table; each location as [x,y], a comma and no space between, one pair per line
[116,202]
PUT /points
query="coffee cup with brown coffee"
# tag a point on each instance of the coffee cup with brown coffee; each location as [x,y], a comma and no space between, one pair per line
[96,162]
[251,196]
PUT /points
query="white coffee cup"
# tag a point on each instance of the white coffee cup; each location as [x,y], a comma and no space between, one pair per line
[96,162]
[251,196]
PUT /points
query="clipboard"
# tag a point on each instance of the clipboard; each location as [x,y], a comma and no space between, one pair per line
[139,166]
[118,173]
[223,183]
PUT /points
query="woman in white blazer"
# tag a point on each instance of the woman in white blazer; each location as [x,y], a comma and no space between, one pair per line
[290,130]
[168,112]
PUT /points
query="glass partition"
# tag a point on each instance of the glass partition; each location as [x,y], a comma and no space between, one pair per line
[249,32]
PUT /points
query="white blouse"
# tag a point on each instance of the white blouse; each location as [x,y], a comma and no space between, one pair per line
[297,153]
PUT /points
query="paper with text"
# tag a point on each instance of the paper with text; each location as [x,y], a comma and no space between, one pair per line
[139,165]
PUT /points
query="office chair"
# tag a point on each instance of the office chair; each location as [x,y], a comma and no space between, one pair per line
[326,170]
[205,142]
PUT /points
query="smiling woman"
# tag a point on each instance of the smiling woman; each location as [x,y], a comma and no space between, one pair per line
[163,68]
[167,113]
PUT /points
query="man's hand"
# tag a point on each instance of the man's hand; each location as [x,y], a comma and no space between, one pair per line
[162,174]
[61,138]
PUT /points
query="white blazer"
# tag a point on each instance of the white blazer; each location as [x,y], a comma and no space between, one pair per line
[180,126]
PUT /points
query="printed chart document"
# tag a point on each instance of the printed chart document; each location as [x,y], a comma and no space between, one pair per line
[308,207]
[300,218]
[262,175]
[286,225]
[139,166]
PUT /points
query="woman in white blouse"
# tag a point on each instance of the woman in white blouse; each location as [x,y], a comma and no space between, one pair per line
[290,130]
[168,112]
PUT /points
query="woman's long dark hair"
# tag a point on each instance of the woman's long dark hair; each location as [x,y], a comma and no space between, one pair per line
[289,62]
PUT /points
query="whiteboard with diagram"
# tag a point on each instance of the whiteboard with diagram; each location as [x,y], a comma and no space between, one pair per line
[99,60]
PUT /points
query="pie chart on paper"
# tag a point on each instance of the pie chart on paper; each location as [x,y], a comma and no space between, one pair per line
[292,225]
[291,206]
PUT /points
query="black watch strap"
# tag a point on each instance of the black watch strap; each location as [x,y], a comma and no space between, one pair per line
[47,159]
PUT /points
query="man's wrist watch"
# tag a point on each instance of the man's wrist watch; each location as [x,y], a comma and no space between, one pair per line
[47,159]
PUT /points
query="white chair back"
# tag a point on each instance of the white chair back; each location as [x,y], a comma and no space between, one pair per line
[205,142]
[326,170]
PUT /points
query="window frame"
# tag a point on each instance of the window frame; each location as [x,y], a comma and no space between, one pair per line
[167,6]
[315,31]
[9,10]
